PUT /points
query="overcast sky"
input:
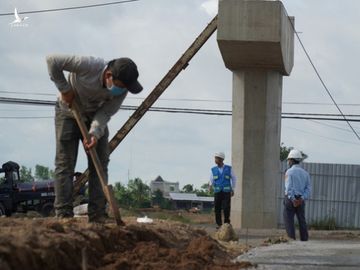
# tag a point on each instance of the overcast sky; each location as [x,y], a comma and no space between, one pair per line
[155,33]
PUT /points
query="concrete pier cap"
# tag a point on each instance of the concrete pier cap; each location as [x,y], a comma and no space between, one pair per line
[255,34]
[256,41]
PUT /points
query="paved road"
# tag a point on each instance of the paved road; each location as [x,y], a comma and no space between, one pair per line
[314,254]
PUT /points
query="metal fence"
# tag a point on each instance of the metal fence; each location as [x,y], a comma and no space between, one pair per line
[335,194]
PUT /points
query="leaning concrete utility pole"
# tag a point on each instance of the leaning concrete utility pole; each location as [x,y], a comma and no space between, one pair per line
[256,40]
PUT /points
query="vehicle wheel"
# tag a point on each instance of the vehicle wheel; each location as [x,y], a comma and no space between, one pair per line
[2,210]
[47,209]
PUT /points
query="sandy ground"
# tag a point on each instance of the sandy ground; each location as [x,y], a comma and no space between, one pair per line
[50,243]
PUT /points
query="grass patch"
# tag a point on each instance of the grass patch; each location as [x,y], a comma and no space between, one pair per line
[324,224]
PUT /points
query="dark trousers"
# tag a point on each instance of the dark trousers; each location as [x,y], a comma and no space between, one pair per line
[289,213]
[222,201]
[68,137]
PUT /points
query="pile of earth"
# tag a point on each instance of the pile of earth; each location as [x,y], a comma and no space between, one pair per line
[75,244]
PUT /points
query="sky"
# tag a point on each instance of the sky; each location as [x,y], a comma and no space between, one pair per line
[155,33]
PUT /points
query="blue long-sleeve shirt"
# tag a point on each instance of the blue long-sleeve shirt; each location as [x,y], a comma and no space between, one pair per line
[297,182]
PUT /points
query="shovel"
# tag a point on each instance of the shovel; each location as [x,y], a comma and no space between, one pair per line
[107,189]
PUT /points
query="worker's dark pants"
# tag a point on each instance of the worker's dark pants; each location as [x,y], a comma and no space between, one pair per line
[68,136]
[289,213]
[222,201]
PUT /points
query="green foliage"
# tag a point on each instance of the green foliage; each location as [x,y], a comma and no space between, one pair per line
[328,223]
[42,172]
[122,195]
[26,174]
[135,195]
[140,193]
[158,198]
[188,188]
[166,205]
[205,191]
[284,152]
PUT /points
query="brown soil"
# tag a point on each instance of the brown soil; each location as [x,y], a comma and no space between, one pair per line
[74,244]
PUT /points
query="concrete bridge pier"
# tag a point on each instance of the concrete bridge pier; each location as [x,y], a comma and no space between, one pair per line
[256,40]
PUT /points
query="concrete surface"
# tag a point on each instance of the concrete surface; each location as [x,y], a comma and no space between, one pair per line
[314,254]
[256,40]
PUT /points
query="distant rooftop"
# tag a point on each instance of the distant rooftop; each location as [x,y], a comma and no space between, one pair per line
[159,179]
[189,197]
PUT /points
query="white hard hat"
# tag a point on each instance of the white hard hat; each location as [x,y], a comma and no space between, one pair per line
[295,154]
[220,155]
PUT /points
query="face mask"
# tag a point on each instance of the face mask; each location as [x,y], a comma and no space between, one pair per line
[117,91]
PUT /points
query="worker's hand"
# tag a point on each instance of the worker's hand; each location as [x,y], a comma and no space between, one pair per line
[68,97]
[232,193]
[90,144]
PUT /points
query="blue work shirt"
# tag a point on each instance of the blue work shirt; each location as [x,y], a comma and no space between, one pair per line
[297,182]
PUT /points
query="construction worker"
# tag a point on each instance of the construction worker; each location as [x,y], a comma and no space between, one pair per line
[100,87]
[222,180]
[297,190]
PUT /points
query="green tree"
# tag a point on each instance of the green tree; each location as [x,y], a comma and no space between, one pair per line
[122,194]
[52,174]
[140,192]
[284,152]
[158,198]
[26,174]
[188,188]
[42,172]
[205,191]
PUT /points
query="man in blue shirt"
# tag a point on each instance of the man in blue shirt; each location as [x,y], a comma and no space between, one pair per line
[223,180]
[297,190]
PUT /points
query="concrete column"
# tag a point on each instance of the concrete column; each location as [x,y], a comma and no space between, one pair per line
[256,42]
[255,142]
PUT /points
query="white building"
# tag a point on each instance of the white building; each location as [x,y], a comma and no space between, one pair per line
[164,186]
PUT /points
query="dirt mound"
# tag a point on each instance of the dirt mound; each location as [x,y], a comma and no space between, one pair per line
[226,233]
[75,244]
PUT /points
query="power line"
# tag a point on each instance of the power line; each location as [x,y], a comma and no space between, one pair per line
[27,93]
[70,8]
[26,117]
[322,114]
[325,137]
[331,126]
[320,103]
[320,77]
[298,116]
[191,99]
[341,119]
